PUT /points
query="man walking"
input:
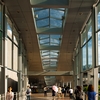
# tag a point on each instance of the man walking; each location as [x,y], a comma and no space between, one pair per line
[28,93]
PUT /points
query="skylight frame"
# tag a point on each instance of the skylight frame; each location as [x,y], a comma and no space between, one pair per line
[48,11]
[49,59]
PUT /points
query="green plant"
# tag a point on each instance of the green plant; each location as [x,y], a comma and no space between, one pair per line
[85,88]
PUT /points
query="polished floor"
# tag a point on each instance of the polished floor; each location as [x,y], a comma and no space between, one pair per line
[40,96]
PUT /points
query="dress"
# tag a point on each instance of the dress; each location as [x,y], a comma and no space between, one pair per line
[9,95]
[91,95]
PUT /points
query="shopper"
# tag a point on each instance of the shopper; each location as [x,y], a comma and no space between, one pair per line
[45,91]
[75,92]
[9,94]
[28,92]
[63,92]
[79,93]
[59,92]
[71,93]
[91,93]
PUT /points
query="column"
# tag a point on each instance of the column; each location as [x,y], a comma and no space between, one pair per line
[70,84]
[26,79]
[96,81]
[20,67]
[66,83]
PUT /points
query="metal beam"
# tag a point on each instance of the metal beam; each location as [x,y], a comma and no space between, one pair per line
[51,31]
[62,3]
[49,47]
[51,73]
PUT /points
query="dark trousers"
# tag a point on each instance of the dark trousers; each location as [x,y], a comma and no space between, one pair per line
[28,97]
[45,93]
[71,95]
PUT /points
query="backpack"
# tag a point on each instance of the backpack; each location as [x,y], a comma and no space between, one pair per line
[80,95]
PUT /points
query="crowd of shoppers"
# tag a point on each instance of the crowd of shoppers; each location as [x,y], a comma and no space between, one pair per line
[60,92]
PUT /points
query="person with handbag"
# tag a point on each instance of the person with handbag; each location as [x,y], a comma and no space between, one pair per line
[28,92]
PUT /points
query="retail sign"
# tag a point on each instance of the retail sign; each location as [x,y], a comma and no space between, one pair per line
[0,48]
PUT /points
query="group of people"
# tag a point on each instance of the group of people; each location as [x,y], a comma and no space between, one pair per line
[10,94]
[59,91]
[90,94]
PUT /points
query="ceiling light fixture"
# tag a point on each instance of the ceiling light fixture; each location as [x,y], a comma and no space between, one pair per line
[80,13]
[73,30]
[70,42]
[18,12]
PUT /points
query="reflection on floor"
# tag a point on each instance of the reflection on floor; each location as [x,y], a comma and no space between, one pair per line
[40,96]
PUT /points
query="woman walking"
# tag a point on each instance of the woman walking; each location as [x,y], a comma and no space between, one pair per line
[9,94]
[91,93]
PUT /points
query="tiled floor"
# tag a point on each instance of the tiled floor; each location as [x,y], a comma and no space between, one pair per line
[40,96]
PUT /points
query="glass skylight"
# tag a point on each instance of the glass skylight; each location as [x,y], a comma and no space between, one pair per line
[51,20]
[50,40]
[47,17]
[49,57]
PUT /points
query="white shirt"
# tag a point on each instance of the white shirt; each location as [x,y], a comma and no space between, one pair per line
[9,96]
[71,90]
[29,91]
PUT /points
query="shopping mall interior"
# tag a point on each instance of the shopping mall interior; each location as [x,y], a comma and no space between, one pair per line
[49,42]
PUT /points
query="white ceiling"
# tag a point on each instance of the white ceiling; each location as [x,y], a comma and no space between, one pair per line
[20,12]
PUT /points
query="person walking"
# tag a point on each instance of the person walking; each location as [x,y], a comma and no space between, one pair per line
[59,92]
[71,93]
[9,94]
[75,92]
[54,91]
[53,94]
[91,93]
[63,92]
[45,91]
[28,92]
[79,93]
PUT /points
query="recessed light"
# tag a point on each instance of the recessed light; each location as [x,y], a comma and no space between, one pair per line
[18,12]
[70,42]
[73,30]
[80,13]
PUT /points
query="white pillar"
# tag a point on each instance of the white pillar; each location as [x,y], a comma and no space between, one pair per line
[6,76]
[66,83]
[20,67]
[70,84]
[96,81]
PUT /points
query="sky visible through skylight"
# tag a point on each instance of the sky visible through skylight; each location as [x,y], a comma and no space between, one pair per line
[46,17]
[49,18]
